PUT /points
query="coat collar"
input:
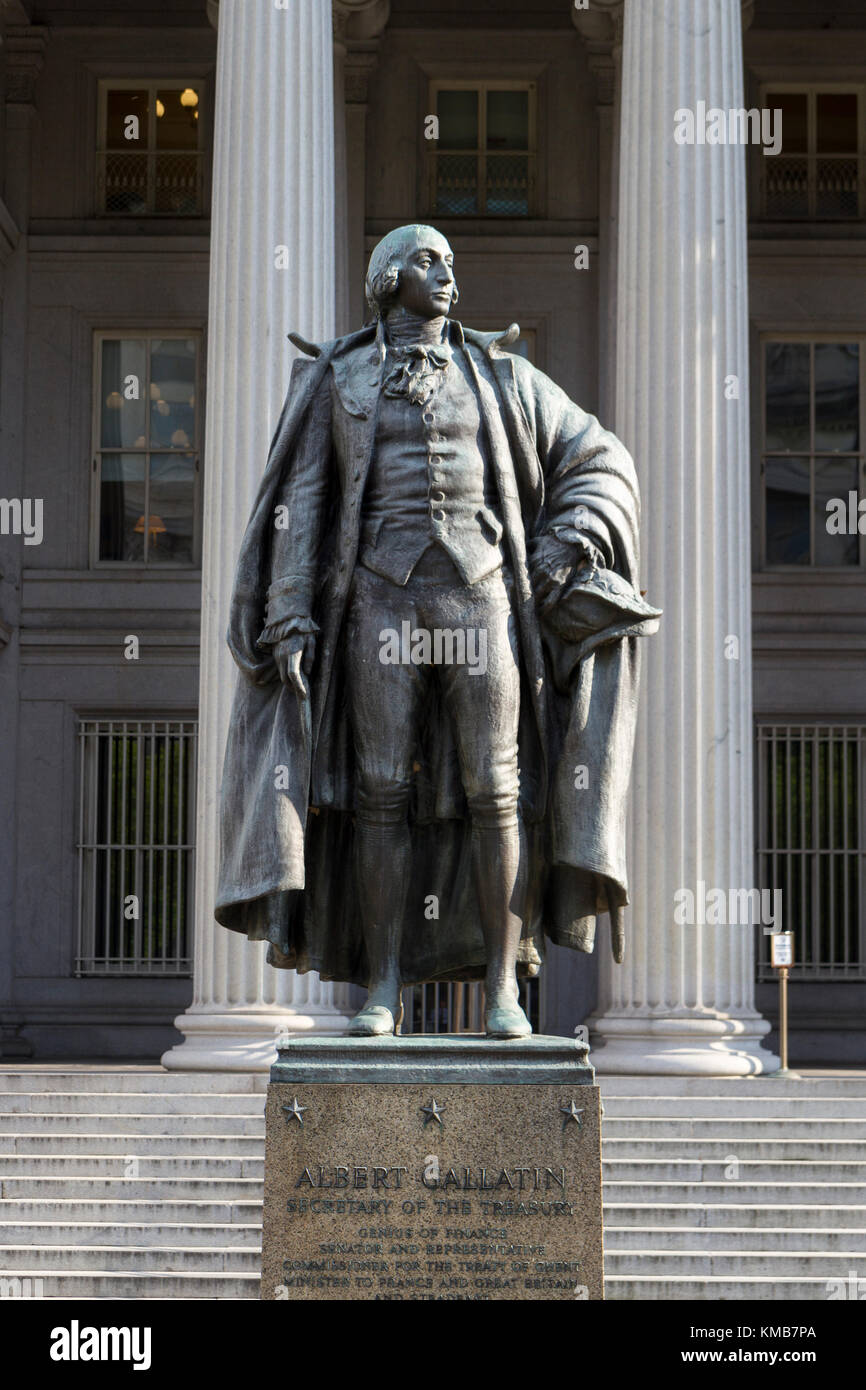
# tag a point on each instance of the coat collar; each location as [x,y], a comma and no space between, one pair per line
[357,361]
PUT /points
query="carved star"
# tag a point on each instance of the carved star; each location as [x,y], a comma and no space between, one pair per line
[571,1112]
[432,1112]
[295,1111]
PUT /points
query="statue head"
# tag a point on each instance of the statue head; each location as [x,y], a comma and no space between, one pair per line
[412,267]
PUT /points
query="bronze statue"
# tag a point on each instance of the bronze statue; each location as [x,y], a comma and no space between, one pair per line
[435,617]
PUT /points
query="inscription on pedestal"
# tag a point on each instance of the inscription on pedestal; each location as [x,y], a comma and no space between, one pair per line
[432,1191]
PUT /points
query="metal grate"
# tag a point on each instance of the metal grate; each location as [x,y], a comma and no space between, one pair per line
[824,186]
[456,184]
[136,846]
[166,183]
[507,185]
[811,844]
[495,185]
[450,1007]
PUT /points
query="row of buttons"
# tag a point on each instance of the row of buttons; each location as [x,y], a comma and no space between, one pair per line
[433,437]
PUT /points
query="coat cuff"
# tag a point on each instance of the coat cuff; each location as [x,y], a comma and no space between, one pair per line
[290,597]
[587,544]
[288,627]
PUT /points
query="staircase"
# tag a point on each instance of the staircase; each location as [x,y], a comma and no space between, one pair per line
[130,1182]
[733,1189]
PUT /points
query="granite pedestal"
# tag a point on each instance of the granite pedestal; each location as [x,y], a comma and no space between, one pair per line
[433,1168]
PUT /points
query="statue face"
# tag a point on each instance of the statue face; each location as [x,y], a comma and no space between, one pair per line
[426,285]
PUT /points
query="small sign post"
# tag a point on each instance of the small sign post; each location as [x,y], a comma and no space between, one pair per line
[781,959]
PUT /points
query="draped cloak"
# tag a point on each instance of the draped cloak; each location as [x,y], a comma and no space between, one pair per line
[286,817]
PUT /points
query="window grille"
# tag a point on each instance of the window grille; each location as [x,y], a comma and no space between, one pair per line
[136,846]
[811,844]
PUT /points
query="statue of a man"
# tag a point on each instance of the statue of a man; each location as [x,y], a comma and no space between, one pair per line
[435,617]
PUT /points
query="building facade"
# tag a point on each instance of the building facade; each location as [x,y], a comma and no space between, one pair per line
[185,183]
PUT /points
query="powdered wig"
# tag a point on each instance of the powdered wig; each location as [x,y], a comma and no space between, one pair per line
[386,262]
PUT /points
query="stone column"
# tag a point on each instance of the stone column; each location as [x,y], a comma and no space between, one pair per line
[23,58]
[682,1003]
[271,270]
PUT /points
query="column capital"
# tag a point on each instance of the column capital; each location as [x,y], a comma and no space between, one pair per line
[359,19]
[601,22]
[13,12]
[351,19]
[601,27]
[24,46]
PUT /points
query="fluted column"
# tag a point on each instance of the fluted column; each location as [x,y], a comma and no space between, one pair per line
[683,1000]
[22,58]
[271,270]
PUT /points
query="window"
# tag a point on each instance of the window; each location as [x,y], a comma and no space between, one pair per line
[452,1007]
[149,149]
[812,457]
[146,428]
[812,844]
[135,848]
[483,162]
[819,172]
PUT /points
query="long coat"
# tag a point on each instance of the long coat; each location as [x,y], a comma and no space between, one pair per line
[288,782]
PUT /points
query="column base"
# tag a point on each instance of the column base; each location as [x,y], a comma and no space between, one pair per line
[686,1043]
[235,1040]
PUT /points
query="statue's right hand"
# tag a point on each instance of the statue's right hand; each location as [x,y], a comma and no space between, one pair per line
[294,657]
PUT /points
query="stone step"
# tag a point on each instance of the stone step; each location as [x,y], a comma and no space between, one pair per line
[18,1078]
[177,1125]
[60,1259]
[752,1150]
[712,1288]
[750,1264]
[142,1189]
[97,1165]
[653,1130]
[787,1240]
[67,1211]
[721,1088]
[673,1170]
[113,1285]
[735,1191]
[743,1107]
[129,1103]
[128,1234]
[140,1145]
[675,1214]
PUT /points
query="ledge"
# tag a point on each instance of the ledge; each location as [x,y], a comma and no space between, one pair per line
[457,1058]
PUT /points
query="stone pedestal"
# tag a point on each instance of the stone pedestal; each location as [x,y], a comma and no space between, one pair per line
[432,1168]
